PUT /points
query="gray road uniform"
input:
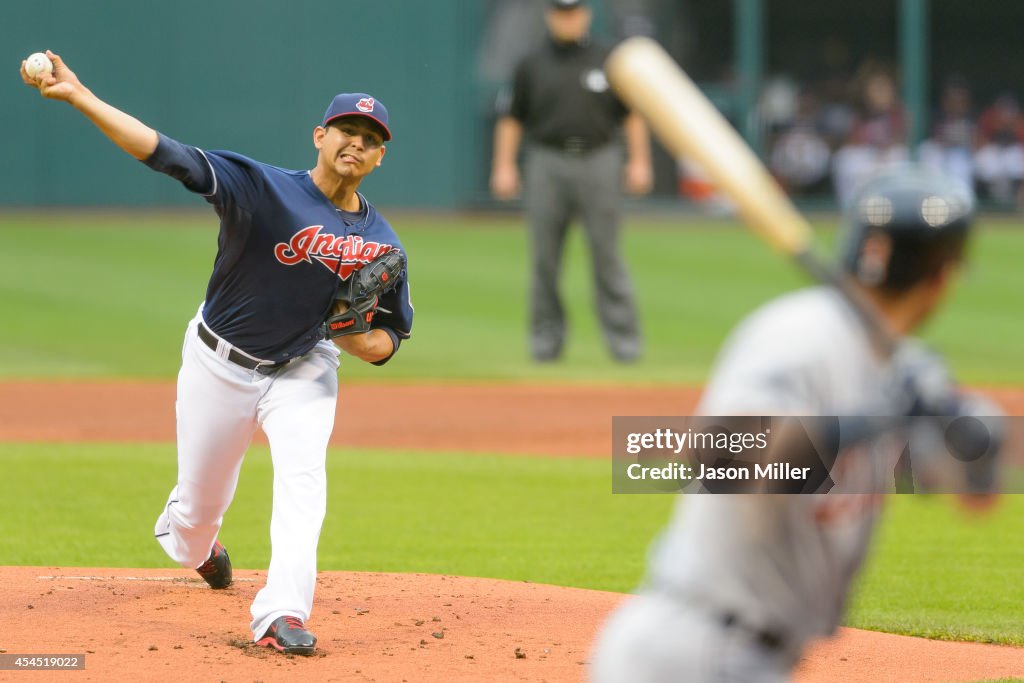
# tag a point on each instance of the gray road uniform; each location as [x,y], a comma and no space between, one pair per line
[738,584]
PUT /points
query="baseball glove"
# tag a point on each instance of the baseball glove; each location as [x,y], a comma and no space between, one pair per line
[356,300]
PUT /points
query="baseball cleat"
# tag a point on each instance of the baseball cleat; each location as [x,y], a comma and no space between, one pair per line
[289,635]
[216,571]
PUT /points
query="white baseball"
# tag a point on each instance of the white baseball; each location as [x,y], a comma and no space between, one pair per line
[38,64]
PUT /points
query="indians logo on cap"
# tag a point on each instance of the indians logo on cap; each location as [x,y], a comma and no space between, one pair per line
[365,104]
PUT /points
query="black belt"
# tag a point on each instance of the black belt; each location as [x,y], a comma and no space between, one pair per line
[261,366]
[766,638]
[574,145]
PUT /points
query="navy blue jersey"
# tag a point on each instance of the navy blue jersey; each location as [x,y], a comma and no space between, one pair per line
[282,251]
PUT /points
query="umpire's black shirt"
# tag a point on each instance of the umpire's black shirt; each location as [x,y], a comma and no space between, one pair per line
[561,96]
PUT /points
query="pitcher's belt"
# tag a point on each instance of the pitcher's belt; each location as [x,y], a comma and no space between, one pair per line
[237,357]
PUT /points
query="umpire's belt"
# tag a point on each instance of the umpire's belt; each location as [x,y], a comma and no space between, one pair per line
[237,357]
[574,144]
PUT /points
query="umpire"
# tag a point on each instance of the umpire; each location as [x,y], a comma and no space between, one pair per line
[574,165]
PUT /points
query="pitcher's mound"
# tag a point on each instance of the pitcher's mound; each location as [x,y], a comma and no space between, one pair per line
[165,625]
[161,624]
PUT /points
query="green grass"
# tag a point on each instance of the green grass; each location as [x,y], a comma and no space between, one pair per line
[98,296]
[938,573]
[538,519]
[933,572]
[108,296]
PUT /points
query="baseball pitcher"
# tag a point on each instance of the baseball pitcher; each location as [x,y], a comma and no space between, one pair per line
[303,259]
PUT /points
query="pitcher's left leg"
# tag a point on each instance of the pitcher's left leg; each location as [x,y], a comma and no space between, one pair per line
[297,415]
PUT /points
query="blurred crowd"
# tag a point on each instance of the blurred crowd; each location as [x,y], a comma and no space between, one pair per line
[830,136]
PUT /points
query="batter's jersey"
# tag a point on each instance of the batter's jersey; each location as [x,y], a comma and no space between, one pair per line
[282,251]
[783,563]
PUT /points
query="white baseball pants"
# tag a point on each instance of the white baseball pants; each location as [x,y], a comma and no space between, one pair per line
[219,406]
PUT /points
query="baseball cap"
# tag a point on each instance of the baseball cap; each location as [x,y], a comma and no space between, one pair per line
[565,4]
[358,104]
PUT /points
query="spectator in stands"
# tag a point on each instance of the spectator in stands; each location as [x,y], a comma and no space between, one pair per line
[950,149]
[999,161]
[832,86]
[799,154]
[877,138]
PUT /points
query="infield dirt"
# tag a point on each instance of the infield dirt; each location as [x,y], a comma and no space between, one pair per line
[145,624]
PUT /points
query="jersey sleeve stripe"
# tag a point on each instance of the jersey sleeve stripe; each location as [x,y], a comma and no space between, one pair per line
[213,172]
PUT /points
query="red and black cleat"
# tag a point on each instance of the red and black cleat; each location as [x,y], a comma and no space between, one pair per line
[289,635]
[216,571]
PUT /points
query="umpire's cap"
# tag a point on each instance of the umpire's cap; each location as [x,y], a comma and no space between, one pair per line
[903,225]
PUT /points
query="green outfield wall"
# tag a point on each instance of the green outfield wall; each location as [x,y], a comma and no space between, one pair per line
[253,77]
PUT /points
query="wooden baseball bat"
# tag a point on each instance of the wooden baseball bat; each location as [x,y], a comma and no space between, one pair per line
[689,125]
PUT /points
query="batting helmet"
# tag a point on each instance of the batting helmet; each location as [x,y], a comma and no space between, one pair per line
[904,225]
